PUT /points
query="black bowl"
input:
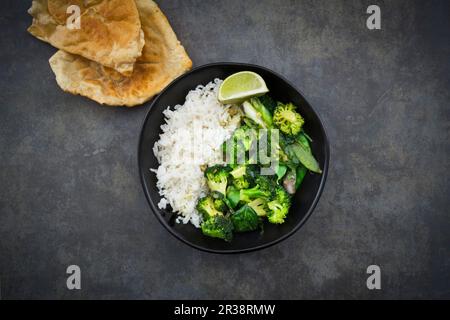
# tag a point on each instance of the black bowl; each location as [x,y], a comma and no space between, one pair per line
[305,199]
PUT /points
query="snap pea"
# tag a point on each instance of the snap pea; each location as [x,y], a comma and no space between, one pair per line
[303,140]
[305,157]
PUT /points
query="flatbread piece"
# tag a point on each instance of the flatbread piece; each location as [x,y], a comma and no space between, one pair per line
[110,30]
[163,59]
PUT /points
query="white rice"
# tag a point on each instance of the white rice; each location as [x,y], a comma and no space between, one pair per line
[192,137]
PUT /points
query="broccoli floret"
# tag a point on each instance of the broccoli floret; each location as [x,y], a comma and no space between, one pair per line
[288,119]
[239,171]
[220,205]
[258,113]
[219,201]
[263,189]
[259,206]
[241,183]
[245,219]
[206,206]
[277,213]
[247,195]
[243,176]
[279,206]
[218,227]
[266,183]
[217,178]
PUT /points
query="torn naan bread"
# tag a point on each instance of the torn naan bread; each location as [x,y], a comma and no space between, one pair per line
[163,59]
[110,30]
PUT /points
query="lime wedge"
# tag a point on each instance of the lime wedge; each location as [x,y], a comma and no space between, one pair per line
[241,86]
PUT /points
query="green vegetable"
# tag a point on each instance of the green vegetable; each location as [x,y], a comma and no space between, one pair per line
[289,158]
[233,196]
[287,119]
[245,136]
[259,206]
[263,189]
[239,171]
[206,206]
[250,123]
[217,178]
[258,113]
[252,171]
[277,212]
[303,140]
[247,195]
[243,139]
[240,196]
[279,206]
[218,227]
[305,157]
[300,175]
[219,201]
[242,176]
[307,136]
[245,219]
[241,183]
[266,115]
[280,171]
[266,183]
[268,102]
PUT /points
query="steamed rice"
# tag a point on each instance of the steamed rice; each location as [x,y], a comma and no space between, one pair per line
[191,139]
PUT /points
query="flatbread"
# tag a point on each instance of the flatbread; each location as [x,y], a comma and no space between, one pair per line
[110,30]
[163,59]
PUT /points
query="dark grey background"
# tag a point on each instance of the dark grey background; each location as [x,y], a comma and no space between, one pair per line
[70,191]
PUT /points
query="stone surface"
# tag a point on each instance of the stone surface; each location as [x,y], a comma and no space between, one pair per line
[70,191]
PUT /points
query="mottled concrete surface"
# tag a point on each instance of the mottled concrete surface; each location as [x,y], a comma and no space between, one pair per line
[70,192]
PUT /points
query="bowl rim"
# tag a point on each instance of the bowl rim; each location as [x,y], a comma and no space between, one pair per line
[156,211]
